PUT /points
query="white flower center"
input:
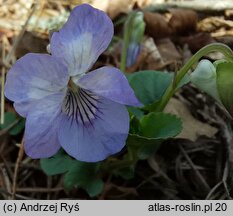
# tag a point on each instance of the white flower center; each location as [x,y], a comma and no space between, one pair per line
[77,77]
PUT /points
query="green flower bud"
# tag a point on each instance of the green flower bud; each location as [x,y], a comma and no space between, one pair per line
[204,78]
[216,80]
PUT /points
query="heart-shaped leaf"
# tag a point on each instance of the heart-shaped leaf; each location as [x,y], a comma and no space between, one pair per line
[77,173]
[154,128]
[160,125]
[142,147]
[149,86]
[58,164]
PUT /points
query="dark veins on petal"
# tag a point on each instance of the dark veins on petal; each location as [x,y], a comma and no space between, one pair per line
[81,106]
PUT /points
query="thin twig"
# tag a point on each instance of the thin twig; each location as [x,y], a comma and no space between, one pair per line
[6,180]
[198,174]
[146,180]
[3,64]
[49,185]
[5,164]
[23,166]
[19,158]
[213,191]
[18,39]
[25,178]
[39,190]
[3,82]
[16,195]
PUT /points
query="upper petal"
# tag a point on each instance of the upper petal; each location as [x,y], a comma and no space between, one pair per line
[94,142]
[33,77]
[110,83]
[86,34]
[41,140]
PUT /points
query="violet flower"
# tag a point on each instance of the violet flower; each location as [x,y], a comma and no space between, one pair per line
[63,104]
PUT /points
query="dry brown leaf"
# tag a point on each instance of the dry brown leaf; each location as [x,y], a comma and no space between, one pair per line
[222,33]
[228,40]
[168,51]
[192,128]
[177,22]
[183,21]
[229,13]
[217,26]
[152,59]
[156,25]
[30,43]
[197,41]
[211,24]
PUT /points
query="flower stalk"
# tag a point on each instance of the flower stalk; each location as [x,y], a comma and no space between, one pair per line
[219,47]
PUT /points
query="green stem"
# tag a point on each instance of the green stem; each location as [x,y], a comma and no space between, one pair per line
[127,34]
[125,48]
[225,50]
[214,47]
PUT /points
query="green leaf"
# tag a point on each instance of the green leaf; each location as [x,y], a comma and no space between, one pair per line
[135,111]
[82,174]
[58,164]
[220,61]
[225,84]
[149,86]
[77,173]
[142,147]
[160,125]
[94,187]
[126,172]
[134,125]
[12,123]
[154,129]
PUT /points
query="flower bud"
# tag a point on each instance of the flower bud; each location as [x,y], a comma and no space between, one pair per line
[134,27]
[204,78]
[216,80]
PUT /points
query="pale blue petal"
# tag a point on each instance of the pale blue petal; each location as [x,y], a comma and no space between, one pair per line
[132,54]
[110,83]
[82,39]
[42,122]
[33,77]
[95,142]
[23,107]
